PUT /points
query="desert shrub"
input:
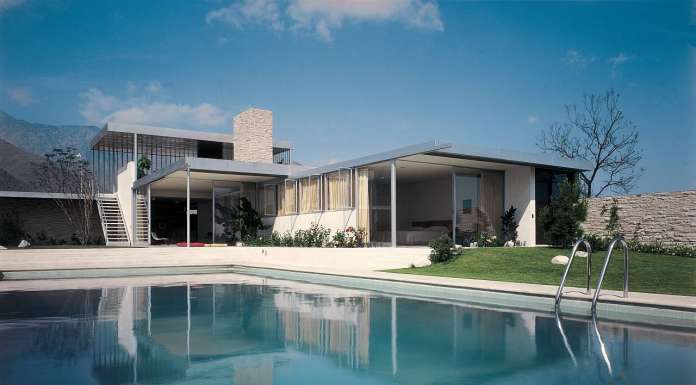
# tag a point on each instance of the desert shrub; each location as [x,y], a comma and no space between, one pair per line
[661,248]
[350,237]
[509,225]
[597,241]
[562,217]
[488,240]
[286,239]
[316,236]
[613,228]
[441,249]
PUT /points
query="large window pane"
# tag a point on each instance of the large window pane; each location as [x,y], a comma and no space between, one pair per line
[339,190]
[374,202]
[309,194]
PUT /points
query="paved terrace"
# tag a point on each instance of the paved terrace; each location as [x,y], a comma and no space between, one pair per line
[359,263]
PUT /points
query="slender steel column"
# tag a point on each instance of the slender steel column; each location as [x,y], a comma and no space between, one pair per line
[149,216]
[393,203]
[454,206]
[134,205]
[213,209]
[188,207]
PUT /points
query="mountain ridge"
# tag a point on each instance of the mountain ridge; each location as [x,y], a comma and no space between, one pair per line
[40,138]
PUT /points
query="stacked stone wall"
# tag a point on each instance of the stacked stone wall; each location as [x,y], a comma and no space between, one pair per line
[667,217]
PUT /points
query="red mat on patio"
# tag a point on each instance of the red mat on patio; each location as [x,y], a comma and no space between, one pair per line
[193,244]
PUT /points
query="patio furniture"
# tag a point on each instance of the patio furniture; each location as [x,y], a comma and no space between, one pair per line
[158,240]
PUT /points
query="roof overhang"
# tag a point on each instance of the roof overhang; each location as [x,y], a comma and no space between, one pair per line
[140,129]
[375,158]
[217,166]
[467,151]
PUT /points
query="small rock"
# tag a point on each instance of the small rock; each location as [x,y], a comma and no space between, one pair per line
[559,260]
[581,254]
[3,247]
[24,244]
[509,244]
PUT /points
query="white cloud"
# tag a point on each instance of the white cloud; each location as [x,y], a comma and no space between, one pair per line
[21,96]
[7,4]
[577,59]
[532,119]
[153,87]
[617,61]
[238,14]
[322,17]
[97,108]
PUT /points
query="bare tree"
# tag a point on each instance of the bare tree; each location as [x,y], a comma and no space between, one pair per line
[599,133]
[65,171]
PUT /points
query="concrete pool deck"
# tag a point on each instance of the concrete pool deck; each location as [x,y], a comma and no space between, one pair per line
[351,263]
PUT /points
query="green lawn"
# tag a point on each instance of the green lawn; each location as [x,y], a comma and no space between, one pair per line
[649,273]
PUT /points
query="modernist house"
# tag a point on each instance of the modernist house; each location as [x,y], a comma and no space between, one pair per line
[400,197]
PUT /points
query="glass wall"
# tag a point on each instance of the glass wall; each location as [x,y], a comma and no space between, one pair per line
[310,194]
[374,202]
[424,202]
[338,194]
[479,198]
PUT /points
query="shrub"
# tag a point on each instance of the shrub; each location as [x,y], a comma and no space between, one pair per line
[509,225]
[597,241]
[340,239]
[562,217]
[316,236]
[441,249]
[613,228]
[487,240]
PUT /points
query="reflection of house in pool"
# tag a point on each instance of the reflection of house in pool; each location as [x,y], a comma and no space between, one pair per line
[264,332]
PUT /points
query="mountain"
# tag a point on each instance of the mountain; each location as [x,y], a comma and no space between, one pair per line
[17,168]
[43,138]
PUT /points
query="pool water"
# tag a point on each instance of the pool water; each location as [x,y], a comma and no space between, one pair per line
[260,332]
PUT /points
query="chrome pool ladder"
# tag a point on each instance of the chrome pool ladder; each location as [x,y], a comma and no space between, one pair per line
[610,249]
[588,249]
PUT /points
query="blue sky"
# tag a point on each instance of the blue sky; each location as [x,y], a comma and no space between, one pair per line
[349,79]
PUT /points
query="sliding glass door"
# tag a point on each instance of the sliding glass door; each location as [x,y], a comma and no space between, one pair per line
[466,202]
[478,203]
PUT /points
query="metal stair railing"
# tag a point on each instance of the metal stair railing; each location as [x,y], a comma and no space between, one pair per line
[588,249]
[607,259]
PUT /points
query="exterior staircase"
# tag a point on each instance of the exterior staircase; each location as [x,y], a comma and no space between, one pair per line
[142,216]
[115,232]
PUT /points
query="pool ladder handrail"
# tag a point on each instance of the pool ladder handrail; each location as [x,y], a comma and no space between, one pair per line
[610,250]
[588,248]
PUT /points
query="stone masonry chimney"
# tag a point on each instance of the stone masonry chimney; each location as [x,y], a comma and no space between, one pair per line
[253,136]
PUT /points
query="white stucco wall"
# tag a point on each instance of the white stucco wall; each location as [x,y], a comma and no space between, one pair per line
[333,220]
[124,192]
[519,192]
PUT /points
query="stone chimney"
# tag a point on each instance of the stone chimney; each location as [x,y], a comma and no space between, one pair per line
[253,136]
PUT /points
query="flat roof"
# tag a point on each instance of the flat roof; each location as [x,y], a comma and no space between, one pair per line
[462,151]
[142,129]
[221,166]
[473,152]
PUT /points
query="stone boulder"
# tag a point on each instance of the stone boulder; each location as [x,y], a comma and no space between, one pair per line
[559,260]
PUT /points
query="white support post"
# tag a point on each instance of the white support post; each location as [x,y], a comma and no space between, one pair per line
[393,203]
[134,195]
[454,206]
[149,216]
[213,210]
[188,207]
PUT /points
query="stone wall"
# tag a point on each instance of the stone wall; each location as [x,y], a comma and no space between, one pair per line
[668,217]
[42,216]
[253,136]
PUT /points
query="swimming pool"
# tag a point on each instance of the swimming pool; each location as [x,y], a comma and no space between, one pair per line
[253,330]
